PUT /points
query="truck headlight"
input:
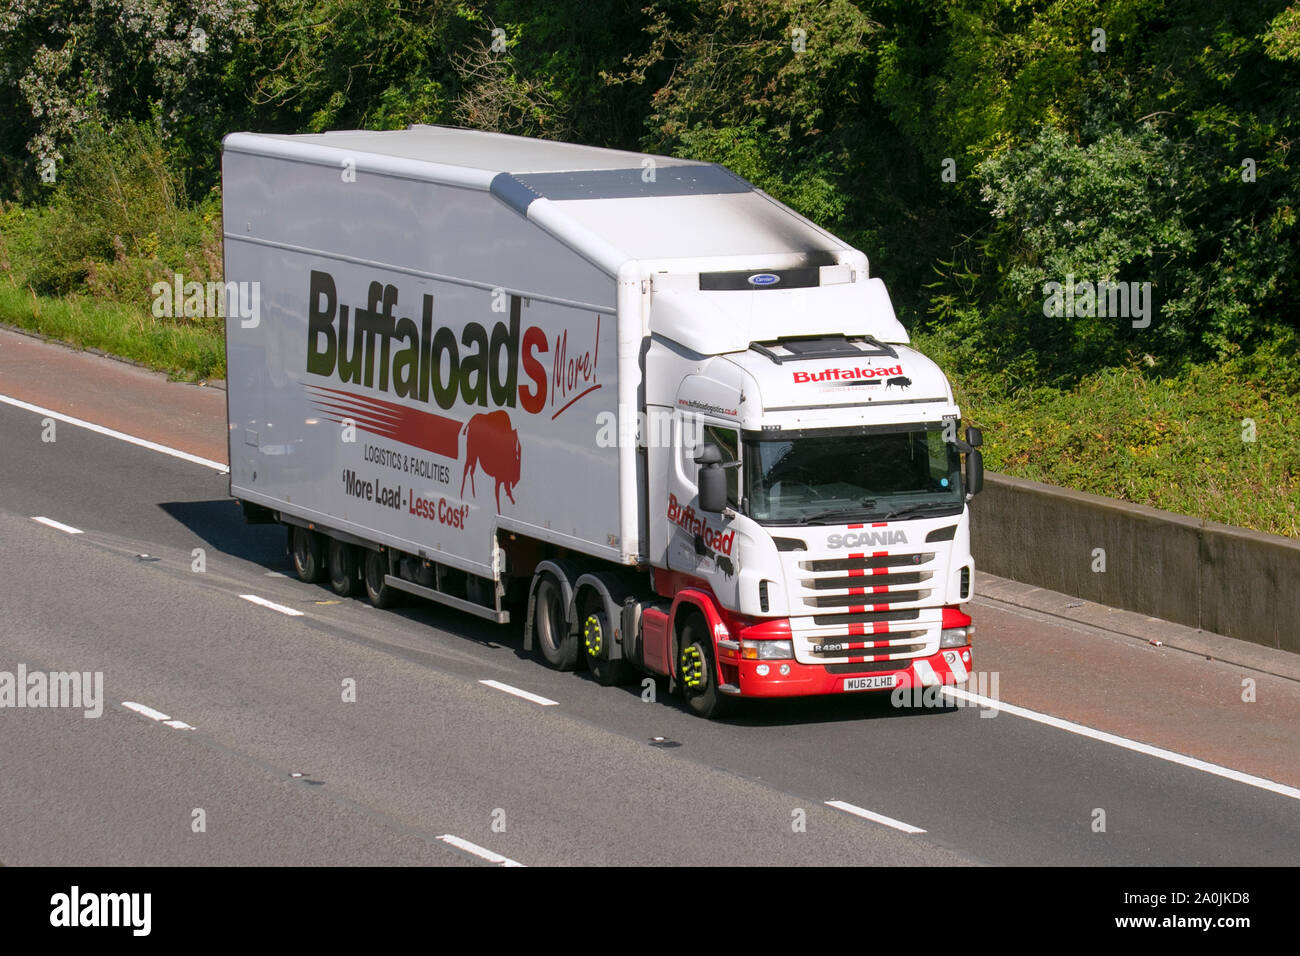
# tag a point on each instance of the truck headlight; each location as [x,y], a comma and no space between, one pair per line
[766,650]
[956,636]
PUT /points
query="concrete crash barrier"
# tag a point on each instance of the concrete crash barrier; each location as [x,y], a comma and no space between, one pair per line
[1231,581]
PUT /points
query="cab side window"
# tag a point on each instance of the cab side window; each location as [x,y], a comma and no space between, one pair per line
[728,442]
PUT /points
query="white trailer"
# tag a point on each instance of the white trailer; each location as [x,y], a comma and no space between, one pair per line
[504,373]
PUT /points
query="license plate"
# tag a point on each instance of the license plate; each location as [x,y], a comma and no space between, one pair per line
[882,682]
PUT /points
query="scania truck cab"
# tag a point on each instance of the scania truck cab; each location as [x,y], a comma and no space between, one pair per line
[813,490]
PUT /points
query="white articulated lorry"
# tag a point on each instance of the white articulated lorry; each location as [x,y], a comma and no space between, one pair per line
[670,423]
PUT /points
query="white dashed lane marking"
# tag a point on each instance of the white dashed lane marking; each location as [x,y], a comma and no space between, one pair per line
[873,816]
[535,698]
[157,715]
[263,602]
[57,525]
[482,853]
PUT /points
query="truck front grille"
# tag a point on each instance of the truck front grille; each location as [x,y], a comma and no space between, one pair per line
[865,562]
[862,608]
[867,617]
[863,647]
[876,580]
[860,599]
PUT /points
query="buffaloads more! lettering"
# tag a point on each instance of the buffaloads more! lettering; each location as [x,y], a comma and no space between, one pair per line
[375,347]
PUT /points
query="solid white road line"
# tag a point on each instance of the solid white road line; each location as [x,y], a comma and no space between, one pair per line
[1158,752]
[877,817]
[271,604]
[157,715]
[111,433]
[58,525]
[544,701]
[479,851]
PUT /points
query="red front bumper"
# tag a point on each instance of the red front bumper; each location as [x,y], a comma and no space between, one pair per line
[807,679]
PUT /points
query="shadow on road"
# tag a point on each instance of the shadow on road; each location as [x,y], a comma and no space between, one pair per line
[221,525]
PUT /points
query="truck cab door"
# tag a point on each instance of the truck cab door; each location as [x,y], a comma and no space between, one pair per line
[700,543]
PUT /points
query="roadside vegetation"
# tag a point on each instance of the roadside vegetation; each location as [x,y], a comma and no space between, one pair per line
[1215,441]
[82,266]
[979,151]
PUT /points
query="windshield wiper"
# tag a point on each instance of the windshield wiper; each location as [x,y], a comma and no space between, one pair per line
[915,507]
[845,513]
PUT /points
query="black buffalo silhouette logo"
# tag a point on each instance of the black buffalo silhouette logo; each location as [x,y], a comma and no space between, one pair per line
[902,381]
[721,561]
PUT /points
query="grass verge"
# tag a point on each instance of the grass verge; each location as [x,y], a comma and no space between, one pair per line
[188,349]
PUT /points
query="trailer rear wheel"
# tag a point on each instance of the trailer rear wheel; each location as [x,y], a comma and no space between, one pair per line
[559,647]
[345,575]
[697,671]
[308,550]
[376,567]
[596,633]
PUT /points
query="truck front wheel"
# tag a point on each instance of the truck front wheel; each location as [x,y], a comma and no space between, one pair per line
[697,671]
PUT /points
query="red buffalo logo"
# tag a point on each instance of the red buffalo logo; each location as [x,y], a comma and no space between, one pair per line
[493,442]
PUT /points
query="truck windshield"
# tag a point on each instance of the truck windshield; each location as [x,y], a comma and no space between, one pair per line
[835,478]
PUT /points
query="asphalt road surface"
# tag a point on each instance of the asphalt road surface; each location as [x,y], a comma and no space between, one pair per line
[240,747]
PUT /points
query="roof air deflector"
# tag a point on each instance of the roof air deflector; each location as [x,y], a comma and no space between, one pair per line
[803,348]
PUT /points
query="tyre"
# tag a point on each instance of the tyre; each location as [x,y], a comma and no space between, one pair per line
[375,566]
[697,671]
[596,631]
[308,551]
[550,618]
[344,572]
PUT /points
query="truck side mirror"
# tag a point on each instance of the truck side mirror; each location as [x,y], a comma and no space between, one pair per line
[974,472]
[712,479]
[974,437]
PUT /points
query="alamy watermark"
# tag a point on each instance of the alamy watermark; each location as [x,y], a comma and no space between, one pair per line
[651,429]
[83,690]
[981,688]
[75,908]
[1086,299]
[177,299]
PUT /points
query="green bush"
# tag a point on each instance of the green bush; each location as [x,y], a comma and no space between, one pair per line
[116,200]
